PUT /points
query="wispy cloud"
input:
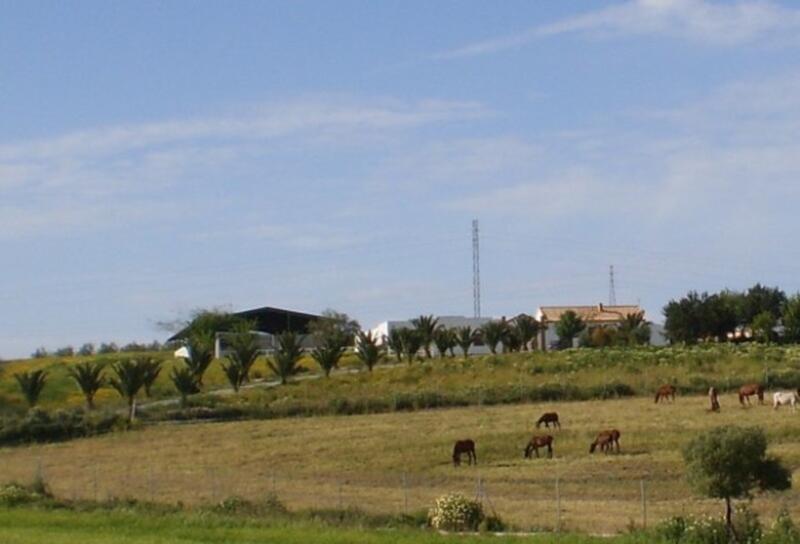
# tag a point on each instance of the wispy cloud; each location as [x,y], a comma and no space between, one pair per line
[95,176]
[700,21]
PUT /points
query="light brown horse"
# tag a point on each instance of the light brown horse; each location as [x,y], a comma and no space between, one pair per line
[748,390]
[464,446]
[539,441]
[665,392]
[606,440]
[548,418]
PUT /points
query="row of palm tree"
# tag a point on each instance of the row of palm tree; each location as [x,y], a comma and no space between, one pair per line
[128,378]
[131,376]
[517,334]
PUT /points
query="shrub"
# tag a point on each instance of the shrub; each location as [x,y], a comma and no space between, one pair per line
[15,494]
[455,512]
[783,531]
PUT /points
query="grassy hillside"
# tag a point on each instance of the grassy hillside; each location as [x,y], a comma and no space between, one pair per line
[401,461]
[582,373]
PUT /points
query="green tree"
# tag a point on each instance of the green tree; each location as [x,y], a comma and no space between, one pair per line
[763,327]
[328,355]
[31,385]
[729,462]
[443,339]
[284,359]
[394,341]
[200,344]
[465,337]
[791,319]
[128,380]
[243,351]
[234,373]
[367,349]
[568,327]
[185,382]
[335,327]
[493,332]
[634,330]
[410,342]
[526,328]
[152,369]
[425,327]
[759,299]
[89,378]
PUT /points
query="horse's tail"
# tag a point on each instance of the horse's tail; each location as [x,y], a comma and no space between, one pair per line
[593,447]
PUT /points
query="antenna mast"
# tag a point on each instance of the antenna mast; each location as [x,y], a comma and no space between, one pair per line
[476,270]
[612,292]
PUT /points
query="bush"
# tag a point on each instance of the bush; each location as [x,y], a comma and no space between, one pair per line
[15,494]
[454,512]
[712,530]
[783,531]
[39,426]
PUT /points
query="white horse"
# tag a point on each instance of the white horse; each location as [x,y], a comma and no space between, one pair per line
[785,397]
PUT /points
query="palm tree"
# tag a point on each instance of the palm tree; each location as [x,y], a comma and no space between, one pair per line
[286,356]
[243,349]
[634,329]
[465,337]
[327,355]
[494,332]
[128,381]
[234,372]
[395,343]
[89,378]
[411,342]
[200,344]
[425,326]
[367,349]
[569,325]
[152,368]
[444,339]
[526,328]
[31,385]
[184,381]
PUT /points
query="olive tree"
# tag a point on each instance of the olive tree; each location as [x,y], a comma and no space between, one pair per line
[729,462]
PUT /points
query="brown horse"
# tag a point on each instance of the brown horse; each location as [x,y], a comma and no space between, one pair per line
[537,442]
[665,392]
[748,390]
[548,418]
[464,446]
[606,440]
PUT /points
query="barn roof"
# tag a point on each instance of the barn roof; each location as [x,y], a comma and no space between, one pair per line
[270,320]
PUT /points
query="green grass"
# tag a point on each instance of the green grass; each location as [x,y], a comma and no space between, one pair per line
[34,526]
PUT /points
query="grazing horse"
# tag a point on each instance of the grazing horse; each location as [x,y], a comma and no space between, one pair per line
[665,392]
[548,418]
[464,446]
[750,389]
[606,440]
[785,397]
[713,399]
[537,442]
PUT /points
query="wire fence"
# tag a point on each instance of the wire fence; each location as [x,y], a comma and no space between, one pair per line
[604,505]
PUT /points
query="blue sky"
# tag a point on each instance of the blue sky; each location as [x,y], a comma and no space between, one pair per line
[157,157]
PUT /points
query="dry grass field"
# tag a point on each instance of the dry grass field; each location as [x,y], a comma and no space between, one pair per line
[396,461]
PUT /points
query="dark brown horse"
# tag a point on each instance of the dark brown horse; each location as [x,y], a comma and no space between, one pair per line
[548,418]
[606,440]
[748,390]
[665,392]
[464,446]
[539,441]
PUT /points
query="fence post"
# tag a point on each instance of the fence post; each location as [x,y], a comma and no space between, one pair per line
[340,495]
[94,482]
[151,484]
[558,504]
[405,493]
[644,503]
[273,483]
